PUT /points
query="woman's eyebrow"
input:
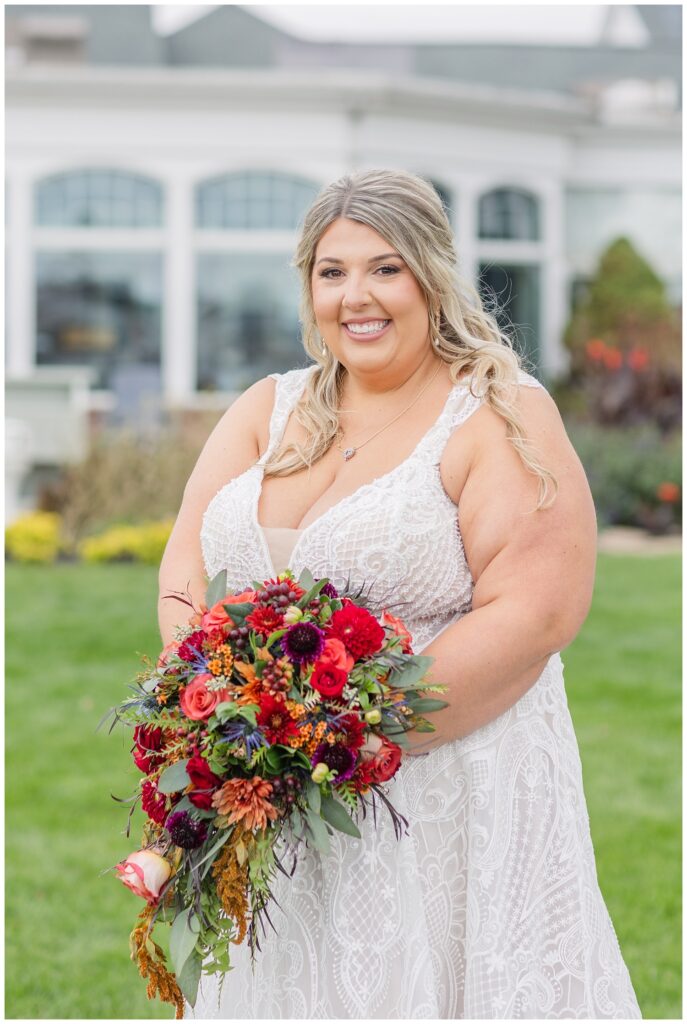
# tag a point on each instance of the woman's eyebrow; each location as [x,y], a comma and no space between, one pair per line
[384,256]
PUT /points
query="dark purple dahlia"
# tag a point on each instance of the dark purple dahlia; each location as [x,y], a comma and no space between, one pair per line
[330,590]
[185,831]
[335,755]
[303,642]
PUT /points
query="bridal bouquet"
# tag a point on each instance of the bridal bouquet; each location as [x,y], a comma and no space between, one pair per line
[255,726]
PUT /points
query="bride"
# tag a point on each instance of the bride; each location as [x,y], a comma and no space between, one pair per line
[414,454]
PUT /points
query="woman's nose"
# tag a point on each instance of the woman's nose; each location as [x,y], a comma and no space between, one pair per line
[356,293]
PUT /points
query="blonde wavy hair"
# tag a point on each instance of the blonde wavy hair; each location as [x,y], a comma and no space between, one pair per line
[408,213]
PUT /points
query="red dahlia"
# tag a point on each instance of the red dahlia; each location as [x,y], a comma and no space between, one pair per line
[352,729]
[153,802]
[359,632]
[264,620]
[275,719]
[192,646]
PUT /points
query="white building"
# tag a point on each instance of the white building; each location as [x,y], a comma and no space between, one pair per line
[155,184]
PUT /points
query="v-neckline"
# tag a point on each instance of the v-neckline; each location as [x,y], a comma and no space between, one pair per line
[363,488]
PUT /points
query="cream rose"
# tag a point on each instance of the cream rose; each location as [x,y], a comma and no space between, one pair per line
[145,872]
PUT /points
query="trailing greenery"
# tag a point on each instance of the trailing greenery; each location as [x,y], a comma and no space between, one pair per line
[67,958]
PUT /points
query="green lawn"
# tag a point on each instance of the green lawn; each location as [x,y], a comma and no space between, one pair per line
[72,634]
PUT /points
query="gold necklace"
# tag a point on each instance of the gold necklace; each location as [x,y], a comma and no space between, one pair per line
[348,453]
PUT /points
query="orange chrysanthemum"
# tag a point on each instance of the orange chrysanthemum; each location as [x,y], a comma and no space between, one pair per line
[245,800]
[251,692]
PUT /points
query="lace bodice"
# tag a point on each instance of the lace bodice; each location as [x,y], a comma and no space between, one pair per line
[398,535]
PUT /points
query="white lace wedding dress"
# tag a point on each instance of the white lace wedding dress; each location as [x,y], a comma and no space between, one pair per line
[490,907]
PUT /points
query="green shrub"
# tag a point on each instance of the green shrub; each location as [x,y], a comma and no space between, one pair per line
[126,479]
[34,537]
[144,543]
[626,469]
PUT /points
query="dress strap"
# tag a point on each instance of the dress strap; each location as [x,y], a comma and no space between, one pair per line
[460,406]
[288,389]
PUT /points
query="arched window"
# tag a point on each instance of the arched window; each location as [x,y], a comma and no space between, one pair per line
[98,198]
[253,200]
[509,214]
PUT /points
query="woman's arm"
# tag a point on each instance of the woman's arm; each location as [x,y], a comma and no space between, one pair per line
[229,451]
[534,573]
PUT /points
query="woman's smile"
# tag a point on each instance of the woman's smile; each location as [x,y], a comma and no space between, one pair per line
[367,330]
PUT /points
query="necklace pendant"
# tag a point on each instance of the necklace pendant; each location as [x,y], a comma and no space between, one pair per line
[348,453]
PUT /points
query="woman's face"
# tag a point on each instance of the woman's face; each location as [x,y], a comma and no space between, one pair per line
[351,283]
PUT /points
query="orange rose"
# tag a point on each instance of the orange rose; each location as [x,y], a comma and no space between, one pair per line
[216,617]
[385,763]
[399,629]
[335,655]
[197,701]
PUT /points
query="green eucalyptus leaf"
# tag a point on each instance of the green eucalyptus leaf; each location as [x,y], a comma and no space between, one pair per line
[183,937]
[248,712]
[427,704]
[240,610]
[174,778]
[411,673]
[313,592]
[300,759]
[225,710]
[217,588]
[306,579]
[314,797]
[422,725]
[189,977]
[338,817]
[318,831]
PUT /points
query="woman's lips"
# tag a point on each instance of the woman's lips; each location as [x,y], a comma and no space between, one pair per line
[367,336]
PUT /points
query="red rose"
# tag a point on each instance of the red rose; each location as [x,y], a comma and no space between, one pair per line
[147,742]
[328,681]
[204,780]
[357,629]
[385,763]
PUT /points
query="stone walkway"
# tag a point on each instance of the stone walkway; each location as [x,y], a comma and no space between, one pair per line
[627,540]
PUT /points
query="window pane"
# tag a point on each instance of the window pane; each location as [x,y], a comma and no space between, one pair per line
[253,201]
[98,198]
[101,310]
[516,290]
[247,319]
[446,198]
[509,214]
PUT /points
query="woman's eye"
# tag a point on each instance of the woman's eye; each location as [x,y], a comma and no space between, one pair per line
[394,270]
